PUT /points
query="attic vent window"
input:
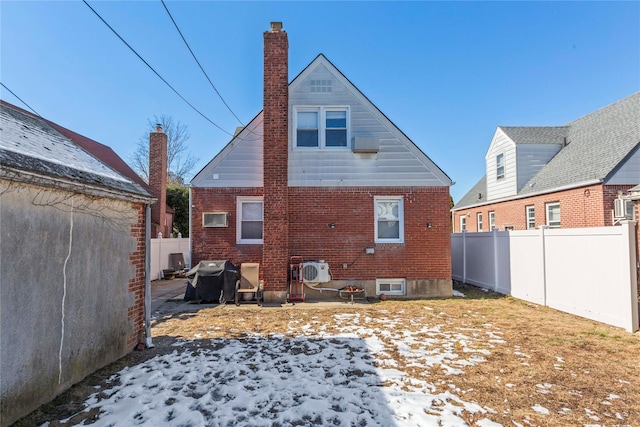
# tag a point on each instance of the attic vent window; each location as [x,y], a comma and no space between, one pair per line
[320,85]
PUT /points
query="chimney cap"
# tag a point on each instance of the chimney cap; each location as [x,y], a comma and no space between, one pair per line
[276,26]
[159,127]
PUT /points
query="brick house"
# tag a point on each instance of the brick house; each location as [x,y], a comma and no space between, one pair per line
[73,251]
[322,174]
[563,176]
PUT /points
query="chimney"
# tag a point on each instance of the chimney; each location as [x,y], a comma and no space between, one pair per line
[158,181]
[275,231]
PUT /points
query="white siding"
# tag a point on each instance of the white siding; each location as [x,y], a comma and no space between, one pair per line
[507,186]
[239,164]
[397,163]
[629,172]
[531,158]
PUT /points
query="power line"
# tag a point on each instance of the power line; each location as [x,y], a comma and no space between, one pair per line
[199,65]
[154,71]
[20,99]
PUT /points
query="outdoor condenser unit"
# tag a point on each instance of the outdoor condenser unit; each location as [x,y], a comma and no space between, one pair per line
[315,272]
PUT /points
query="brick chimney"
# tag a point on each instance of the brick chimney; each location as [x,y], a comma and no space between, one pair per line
[275,251]
[158,181]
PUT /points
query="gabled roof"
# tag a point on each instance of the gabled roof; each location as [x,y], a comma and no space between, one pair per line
[536,135]
[596,146]
[251,134]
[31,144]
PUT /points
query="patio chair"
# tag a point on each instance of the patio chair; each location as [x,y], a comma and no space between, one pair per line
[249,282]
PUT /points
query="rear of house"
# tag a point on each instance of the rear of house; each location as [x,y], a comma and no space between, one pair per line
[321,174]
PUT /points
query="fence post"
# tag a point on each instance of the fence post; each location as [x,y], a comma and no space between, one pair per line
[464,256]
[544,264]
[495,260]
[160,256]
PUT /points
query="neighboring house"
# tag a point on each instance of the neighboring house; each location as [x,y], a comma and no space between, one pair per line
[72,250]
[566,176]
[322,174]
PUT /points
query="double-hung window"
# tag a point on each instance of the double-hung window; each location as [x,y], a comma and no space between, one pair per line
[479,222]
[492,220]
[322,127]
[249,223]
[553,215]
[500,166]
[531,217]
[463,223]
[389,220]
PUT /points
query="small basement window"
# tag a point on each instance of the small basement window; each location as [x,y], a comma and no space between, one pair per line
[215,219]
[391,286]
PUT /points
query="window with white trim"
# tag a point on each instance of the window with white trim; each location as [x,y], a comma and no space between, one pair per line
[479,221]
[214,219]
[553,215]
[391,286]
[389,220]
[249,223]
[463,223]
[321,127]
[500,166]
[531,218]
[492,220]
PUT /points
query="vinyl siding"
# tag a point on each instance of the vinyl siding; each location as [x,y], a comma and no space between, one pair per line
[395,164]
[239,164]
[531,158]
[628,173]
[507,186]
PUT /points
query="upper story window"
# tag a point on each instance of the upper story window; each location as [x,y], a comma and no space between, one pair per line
[463,223]
[389,223]
[500,166]
[531,217]
[479,222]
[322,127]
[553,215]
[249,223]
[492,220]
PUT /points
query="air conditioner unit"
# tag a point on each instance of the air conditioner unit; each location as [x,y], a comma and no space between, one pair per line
[315,272]
[622,209]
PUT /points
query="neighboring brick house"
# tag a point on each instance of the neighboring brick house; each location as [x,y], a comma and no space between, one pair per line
[565,176]
[322,174]
[73,251]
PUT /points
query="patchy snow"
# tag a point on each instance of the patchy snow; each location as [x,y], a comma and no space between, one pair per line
[313,377]
[540,409]
[458,294]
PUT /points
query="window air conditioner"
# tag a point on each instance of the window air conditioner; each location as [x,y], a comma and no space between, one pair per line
[315,272]
[622,209]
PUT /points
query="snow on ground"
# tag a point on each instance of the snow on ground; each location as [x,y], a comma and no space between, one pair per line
[309,377]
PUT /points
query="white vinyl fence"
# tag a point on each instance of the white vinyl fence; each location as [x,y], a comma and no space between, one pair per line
[589,272]
[161,248]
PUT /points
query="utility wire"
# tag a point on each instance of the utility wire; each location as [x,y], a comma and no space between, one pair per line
[154,71]
[20,99]
[199,65]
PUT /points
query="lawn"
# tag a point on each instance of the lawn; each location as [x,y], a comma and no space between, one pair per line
[482,359]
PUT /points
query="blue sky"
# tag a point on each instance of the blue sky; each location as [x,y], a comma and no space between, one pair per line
[446,73]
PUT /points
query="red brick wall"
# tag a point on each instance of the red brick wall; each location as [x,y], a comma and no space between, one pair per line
[589,206]
[425,254]
[275,155]
[220,242]
[158,181]
[136,284]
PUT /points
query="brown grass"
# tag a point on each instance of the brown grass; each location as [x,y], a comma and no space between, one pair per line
[583,372]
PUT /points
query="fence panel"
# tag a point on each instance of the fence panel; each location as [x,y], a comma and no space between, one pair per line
[160,250]
[589,272]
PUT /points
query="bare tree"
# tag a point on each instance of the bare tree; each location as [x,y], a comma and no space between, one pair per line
[180,162]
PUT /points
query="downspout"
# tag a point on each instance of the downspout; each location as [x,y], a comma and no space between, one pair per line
[147,278]
[190,213]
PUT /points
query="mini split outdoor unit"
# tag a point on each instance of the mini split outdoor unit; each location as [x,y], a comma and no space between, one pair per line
[315,272]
